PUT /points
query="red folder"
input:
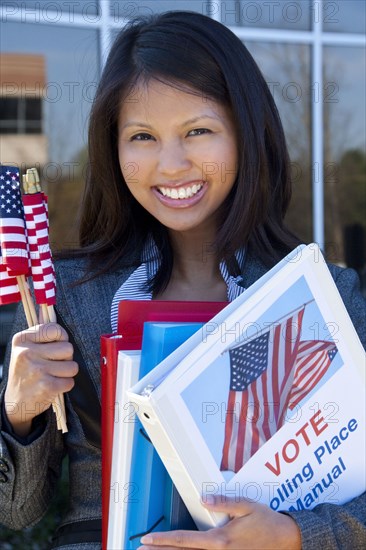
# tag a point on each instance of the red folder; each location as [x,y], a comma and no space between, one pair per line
[132,315]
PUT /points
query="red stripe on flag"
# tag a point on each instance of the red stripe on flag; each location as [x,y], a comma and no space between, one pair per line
[254,421]
[275,372]
[228,430]
[239,455]
[268,408]
[9,291]
[36,216]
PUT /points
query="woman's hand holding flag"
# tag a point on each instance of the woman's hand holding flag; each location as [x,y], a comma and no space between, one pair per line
[25,251]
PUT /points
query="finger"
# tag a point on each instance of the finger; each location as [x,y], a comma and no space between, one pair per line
[49,332]
[52,332]
[49,386]
[55,351]
[213,539]
[232,507]
[45,374]
[55,385]
[63,369]
[37,356]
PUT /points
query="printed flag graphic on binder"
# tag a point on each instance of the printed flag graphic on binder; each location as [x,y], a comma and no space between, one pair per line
[268,375]
[312,362]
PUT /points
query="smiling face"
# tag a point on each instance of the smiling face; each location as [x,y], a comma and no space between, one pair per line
[178,154]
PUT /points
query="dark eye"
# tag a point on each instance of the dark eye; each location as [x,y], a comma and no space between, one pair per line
[141,137]
[199,131]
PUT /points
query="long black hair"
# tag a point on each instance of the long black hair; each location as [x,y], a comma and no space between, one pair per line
[190,51]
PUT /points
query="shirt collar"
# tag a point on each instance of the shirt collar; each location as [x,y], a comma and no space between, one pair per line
[134,288]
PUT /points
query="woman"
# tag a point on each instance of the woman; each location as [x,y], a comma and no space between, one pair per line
[189,183]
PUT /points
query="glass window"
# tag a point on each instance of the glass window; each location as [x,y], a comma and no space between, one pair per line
[54,101]
[32,115]
[344,16]
[280,14]
[345,156]
[120,9]
[33,109]
[8,109]
[286,69]
[20,115]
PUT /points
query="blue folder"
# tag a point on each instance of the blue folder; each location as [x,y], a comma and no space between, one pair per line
[153,502]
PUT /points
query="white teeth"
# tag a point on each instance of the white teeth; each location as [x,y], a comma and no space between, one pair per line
[181,193]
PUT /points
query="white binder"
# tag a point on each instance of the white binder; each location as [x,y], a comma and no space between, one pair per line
[181,403]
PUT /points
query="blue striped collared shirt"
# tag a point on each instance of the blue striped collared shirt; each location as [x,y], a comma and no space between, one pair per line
[134,288]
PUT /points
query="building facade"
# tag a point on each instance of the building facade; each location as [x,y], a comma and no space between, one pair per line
[311,52]
[22,137]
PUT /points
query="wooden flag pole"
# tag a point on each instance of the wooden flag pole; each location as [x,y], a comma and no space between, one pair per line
[50,310]
[59,403]
[29,309]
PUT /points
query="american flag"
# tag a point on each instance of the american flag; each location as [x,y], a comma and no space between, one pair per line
[267,373]
[36,218]
[9,291]
[13,238]
[312,362]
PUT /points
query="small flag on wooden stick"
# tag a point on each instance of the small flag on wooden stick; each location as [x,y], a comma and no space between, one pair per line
[14,243]
[25,251]
[41,264]
[36,220]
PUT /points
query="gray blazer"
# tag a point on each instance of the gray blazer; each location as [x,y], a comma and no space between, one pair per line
[30,471]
